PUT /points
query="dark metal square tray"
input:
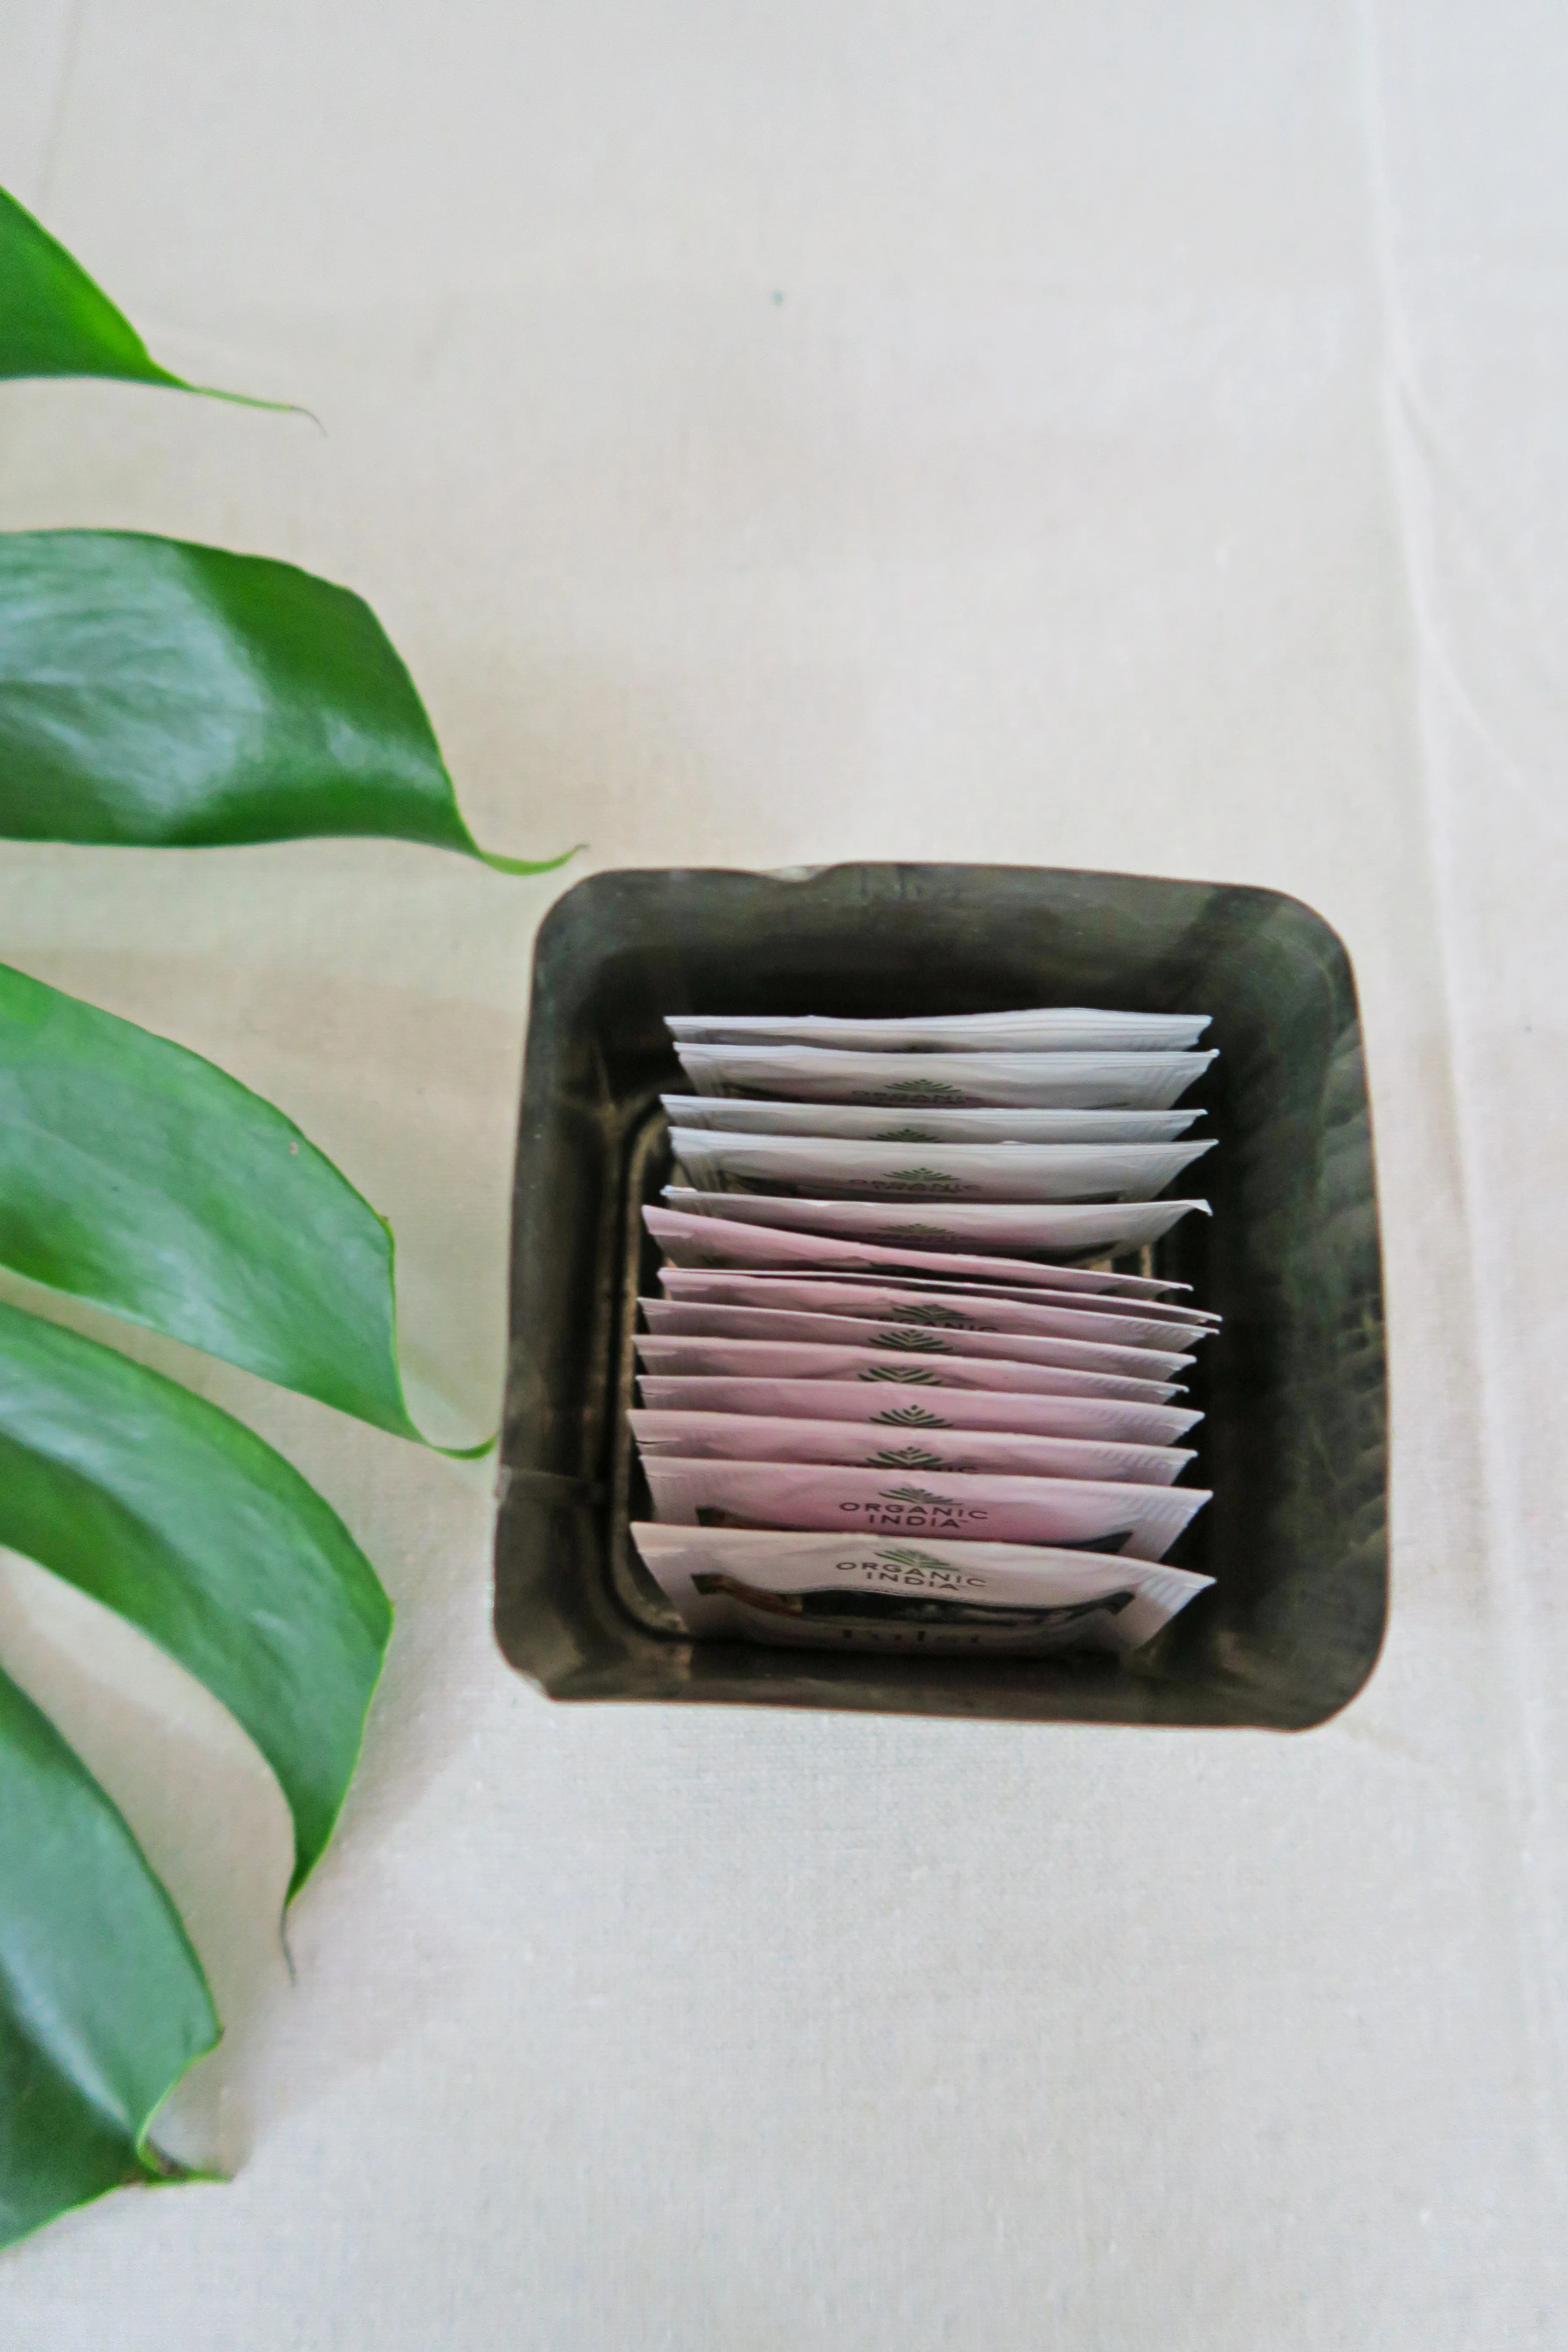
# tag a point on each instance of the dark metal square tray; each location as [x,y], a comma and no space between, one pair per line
[1293,1444]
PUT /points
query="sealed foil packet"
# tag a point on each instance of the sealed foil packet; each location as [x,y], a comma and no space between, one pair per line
[1041,1029]
[682,1319]
[954,1081]
[756,1437]
[833,1168]
[914,1321]
[861,1208]
[1134,1323]
[848,1122]
[715,1241]
[880,1409]
[830,1592]
[1071,1513]
[785,1359]
[1067,1229]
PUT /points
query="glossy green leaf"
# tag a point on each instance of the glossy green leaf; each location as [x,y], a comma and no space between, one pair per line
[141,1176]
[159,694]
[103,2004]
[55,321]
[178,1517]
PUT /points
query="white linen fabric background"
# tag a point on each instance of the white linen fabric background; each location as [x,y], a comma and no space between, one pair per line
[1095,434]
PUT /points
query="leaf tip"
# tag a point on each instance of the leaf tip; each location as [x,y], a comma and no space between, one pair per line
[532,865]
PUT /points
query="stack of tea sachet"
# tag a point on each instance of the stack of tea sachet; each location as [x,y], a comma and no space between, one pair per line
[896,1394]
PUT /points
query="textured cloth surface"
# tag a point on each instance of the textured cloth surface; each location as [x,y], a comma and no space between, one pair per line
[1099,435]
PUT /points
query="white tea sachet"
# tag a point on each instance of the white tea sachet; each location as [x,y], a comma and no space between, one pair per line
[711,1241]
[828,1592]
[1131,1322]
[893,1393]
[848,1122]
[1072,1513]
[754,1437]
[928,1081]
[786,1360]
[933,1172]
[877,1407]
[1053,1028]
[988,1226]
[689,1319]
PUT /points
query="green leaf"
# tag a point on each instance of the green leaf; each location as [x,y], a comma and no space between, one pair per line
[173,1513]
[55,321]
[169,696]
[103,2004]
[141,1176]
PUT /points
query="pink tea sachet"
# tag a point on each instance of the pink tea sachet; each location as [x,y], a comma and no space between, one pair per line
[914,1382]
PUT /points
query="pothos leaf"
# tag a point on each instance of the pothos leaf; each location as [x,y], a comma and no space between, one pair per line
[103,2004]
[157,693]
[178,1517]
[137,1175]
[55,321]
